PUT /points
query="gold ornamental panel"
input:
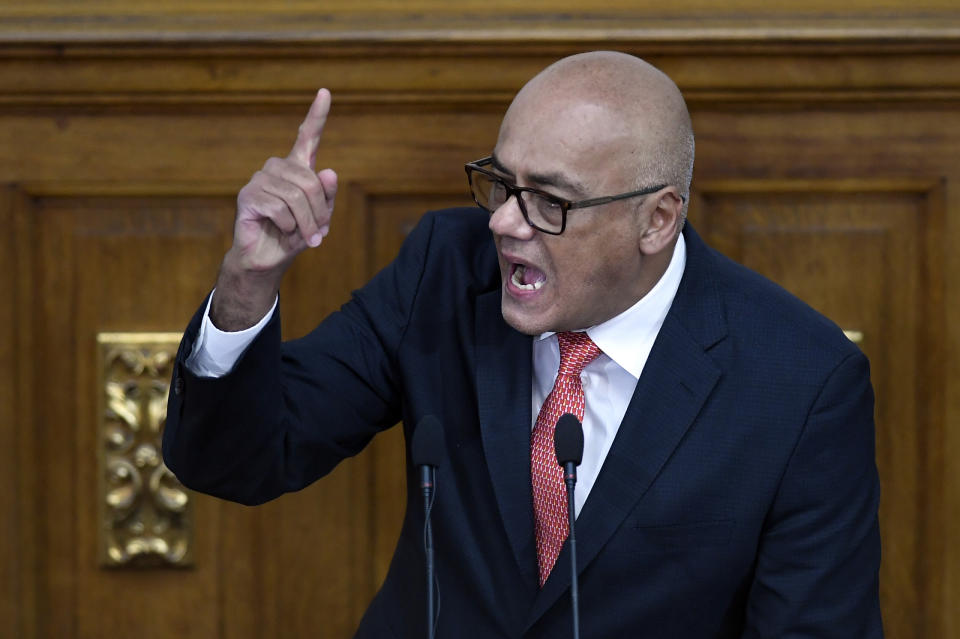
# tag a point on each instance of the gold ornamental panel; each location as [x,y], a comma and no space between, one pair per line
[146,515]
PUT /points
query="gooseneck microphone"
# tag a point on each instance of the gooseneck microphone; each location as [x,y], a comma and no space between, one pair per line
[568,441]
[427,453]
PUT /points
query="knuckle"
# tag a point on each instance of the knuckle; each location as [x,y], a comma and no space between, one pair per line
[274,165]
[295,198]
[248,202]
[299,198]
[314,190]
[274,211]
[284,221]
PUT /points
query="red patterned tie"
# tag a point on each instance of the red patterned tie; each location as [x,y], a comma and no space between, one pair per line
[549,492]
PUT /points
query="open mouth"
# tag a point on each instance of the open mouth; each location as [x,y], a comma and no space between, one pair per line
[527,278]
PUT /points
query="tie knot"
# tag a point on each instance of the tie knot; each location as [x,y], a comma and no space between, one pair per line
[576,351]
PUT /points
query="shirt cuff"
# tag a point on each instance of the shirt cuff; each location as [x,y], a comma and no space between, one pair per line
[216,352]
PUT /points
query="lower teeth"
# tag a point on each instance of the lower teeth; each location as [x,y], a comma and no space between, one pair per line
[517,279]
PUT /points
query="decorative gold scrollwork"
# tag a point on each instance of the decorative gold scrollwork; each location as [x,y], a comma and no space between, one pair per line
[146,514]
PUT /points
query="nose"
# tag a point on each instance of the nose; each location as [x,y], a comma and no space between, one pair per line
[508,221]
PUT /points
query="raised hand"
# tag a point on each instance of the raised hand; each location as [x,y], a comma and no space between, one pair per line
[286,206]
[284,209]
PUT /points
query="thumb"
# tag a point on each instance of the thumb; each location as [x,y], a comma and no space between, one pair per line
[328,180]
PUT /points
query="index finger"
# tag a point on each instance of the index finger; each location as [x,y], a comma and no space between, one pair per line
[304,150]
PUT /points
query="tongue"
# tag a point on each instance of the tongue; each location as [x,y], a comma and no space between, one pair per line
[531,275]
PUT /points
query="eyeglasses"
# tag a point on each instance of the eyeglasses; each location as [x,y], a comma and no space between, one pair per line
[542,211]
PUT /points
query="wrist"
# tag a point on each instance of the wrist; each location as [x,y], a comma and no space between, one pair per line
[243,296]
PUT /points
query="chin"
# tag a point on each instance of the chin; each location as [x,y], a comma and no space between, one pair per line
[527,325]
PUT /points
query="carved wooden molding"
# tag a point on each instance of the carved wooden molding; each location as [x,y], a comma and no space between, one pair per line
[147,59]
[369,21]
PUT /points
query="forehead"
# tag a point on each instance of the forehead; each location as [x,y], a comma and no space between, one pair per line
[586,141]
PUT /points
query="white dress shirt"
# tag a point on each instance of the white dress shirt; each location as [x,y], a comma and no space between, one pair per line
[608,381]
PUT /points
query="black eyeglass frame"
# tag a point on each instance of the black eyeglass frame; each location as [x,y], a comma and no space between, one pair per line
[565,205]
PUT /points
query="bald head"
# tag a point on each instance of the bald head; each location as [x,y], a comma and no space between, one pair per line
[628,99]
[589,127]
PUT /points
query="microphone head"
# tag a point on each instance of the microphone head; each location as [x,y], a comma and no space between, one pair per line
[427,447]
[568,440]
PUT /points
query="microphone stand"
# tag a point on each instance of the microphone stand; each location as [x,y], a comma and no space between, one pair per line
[570,479]
[427,484]
[568,441]
[427,453]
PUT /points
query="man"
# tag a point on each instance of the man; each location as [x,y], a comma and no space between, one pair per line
[728,487]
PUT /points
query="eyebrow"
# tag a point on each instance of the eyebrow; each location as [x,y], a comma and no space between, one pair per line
[547,179]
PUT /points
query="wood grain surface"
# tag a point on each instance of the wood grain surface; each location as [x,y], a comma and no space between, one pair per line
[828,158]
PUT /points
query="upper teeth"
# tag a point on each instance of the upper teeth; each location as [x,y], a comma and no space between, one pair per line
[517,279]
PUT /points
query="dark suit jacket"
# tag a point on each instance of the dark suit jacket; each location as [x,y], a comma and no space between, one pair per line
[739,498]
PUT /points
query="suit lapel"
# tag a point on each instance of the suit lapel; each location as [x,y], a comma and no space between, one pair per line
[504,371]
[677,379]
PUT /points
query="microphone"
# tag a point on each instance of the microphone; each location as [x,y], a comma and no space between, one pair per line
[568,442]
[427,453]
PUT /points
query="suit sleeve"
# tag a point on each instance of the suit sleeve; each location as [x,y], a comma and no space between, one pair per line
[289,412]
[819,555]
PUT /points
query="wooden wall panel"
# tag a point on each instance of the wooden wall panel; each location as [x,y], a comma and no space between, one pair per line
[827,140]
[11,523]
[103,262]
[390,211]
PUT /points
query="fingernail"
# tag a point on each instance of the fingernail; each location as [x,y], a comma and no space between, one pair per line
[315,240]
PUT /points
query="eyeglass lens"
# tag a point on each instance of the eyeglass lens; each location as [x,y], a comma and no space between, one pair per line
[492,193]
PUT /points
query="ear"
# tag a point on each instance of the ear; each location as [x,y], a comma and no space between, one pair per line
[663,221]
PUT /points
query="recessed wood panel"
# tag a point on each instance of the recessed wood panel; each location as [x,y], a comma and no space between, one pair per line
[389,212]
[107,263]
[14,498]
[120,262]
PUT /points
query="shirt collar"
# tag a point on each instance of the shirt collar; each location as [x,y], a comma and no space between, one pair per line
[628,337]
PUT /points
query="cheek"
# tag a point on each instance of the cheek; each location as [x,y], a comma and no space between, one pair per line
[585,274]
[606,260]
